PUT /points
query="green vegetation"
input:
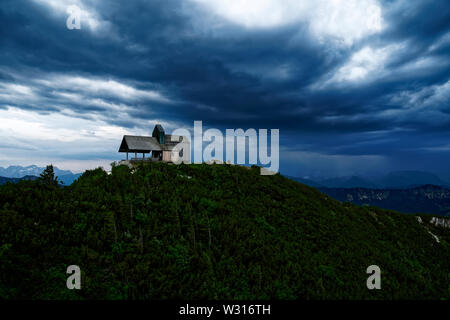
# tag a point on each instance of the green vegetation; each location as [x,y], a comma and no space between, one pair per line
[215,232]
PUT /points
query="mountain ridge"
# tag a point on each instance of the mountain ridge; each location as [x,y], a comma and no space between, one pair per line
[429,199]
[16,173]
[395,179]
[4,180]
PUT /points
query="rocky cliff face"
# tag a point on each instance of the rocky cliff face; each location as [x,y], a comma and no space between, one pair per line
[440,222]
[424,199]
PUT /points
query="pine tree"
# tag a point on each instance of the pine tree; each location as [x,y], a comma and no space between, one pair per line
[48,176]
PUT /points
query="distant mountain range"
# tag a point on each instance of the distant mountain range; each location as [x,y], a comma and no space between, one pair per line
[404,191]
[4,180]
[17,173]
[393,180]
[423,199]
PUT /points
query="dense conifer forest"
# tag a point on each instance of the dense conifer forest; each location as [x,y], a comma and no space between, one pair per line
[209,232]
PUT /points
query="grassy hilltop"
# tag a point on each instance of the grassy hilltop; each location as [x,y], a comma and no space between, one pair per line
[209,231]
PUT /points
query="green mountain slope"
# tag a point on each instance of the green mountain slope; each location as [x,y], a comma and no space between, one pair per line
[216,232]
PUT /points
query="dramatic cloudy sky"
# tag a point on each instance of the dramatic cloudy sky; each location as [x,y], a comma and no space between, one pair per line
[355,86]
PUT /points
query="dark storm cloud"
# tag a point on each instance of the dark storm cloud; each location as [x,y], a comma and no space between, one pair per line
[207,68]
